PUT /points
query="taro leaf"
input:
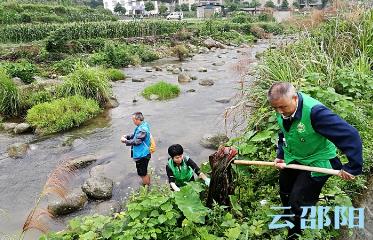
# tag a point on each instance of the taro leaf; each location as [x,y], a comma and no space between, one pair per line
[233,233]
[246,149]
[187,200]
[261,136]
[197,186]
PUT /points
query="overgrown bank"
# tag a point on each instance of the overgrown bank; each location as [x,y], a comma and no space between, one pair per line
[318,65]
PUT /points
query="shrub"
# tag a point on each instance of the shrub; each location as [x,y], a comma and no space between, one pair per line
[9,95]
[88,82]
[265,17]
[31,99]
[269,4]
[23,69]
[234,37]
[242,18]
[183,34]
[146,53]
[112,57]
[66,66]
[272,27]
[115,74]
[162,89]
[181,51]
[62,114]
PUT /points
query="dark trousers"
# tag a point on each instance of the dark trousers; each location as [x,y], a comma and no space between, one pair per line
[299,189]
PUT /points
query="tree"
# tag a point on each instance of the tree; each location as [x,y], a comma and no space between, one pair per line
[184,7]
[149,6]
[270,4]
[96,3]
[177,8]
[193,7]
[233,7]
[296,5]
[284,5]
[162,9]
[254,4]
[118,8]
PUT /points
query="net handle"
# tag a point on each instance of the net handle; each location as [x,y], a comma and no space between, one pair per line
[292,166]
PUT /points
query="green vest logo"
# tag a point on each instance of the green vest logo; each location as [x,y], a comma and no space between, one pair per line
[301,128]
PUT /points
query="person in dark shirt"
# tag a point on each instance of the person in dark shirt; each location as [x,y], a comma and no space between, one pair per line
[180,168]
[310,134]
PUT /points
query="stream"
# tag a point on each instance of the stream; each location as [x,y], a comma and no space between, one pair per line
[182,120]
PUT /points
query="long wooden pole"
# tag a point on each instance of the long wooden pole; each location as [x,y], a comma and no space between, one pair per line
[292,166]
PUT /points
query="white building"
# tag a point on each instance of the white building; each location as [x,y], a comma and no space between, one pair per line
[133,7]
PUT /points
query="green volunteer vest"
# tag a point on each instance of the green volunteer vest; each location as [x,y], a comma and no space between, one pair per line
[183,173]
[303,144]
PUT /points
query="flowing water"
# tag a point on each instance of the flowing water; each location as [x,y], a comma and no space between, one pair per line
[182,120]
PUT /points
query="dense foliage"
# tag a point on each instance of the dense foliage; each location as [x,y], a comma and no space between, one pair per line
[324,64]
[87,82]
[9,95]
[62,114]
[12,13]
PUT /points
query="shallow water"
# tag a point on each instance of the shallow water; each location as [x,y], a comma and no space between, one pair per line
[182,120]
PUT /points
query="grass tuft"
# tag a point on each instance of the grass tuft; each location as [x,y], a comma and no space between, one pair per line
[162,89]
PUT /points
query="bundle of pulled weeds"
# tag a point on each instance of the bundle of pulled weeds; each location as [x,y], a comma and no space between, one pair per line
[221,185]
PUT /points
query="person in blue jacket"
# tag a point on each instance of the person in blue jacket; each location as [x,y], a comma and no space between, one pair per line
[140,143]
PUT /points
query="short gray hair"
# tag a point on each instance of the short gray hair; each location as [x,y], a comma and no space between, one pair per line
[281,89]
[138,116]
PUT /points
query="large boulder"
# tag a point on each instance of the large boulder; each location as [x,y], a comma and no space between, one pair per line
[108,207]
[158,68]
[206,82]
[176,71]
[183,78]
[203,50]
[82,161]
[18,150]
[73,202]
[98,187]
[9,126]
[223,100]
[213,141]
[211,43]
[22,128]
[112,103]
[17,81]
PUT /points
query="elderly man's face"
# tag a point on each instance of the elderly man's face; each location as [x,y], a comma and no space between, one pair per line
[285,106]
[135,121]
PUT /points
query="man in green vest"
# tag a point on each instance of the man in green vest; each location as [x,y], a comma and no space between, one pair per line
[180,168]
[309,135]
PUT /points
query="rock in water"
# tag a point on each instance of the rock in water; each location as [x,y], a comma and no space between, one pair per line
[98,187]
[73,202]
[18,150]
[206,82]
[213,141]
[183,78]
[82,161]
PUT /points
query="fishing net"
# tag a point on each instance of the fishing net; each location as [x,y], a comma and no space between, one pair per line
[221,185]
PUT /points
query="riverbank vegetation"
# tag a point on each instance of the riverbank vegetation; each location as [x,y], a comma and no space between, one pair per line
[332,63]
[56,46]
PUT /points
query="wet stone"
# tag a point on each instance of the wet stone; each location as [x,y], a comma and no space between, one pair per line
[206,82]
[18,150]
[73,202]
